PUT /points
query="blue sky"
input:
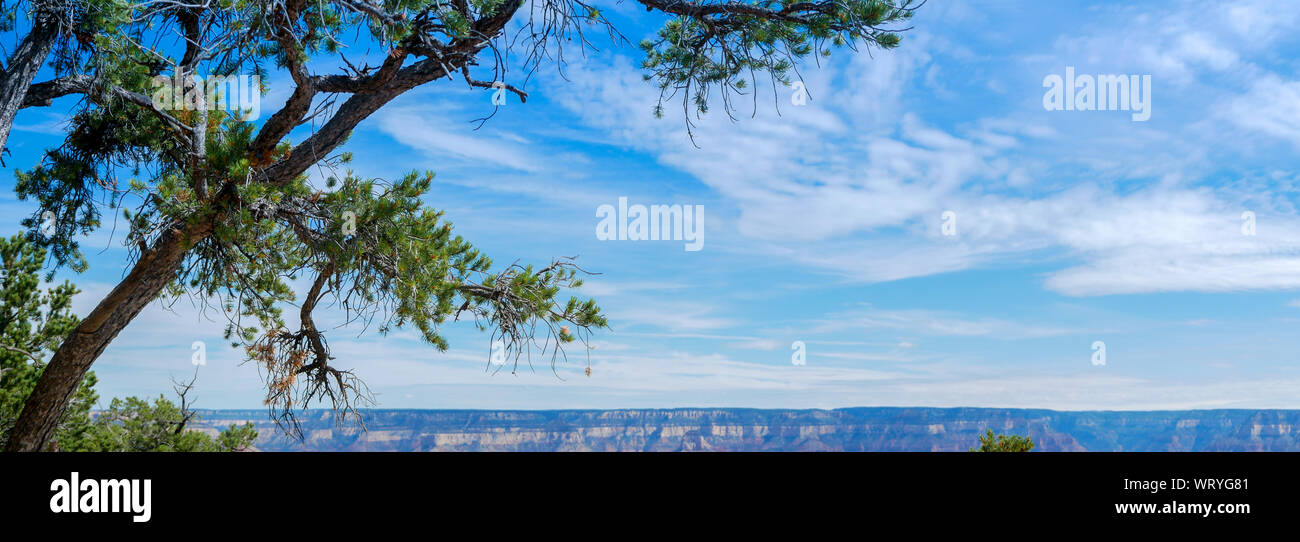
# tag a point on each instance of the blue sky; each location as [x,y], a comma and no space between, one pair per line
[823,225]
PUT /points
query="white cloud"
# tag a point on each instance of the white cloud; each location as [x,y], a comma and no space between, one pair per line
[1272,107]
[935,323]
[50,124]
[672,316]
[854,185]
[425,129]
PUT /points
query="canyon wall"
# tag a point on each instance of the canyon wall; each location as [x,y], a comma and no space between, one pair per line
[738,429]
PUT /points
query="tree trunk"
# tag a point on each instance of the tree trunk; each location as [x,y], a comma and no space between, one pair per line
[23,65]
[44,407]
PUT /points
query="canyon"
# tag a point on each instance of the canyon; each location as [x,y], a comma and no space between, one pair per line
[886,429]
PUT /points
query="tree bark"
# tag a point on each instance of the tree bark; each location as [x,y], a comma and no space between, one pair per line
[44,407]
[23,65]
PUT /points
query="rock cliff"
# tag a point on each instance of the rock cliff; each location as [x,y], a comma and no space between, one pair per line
[738,429]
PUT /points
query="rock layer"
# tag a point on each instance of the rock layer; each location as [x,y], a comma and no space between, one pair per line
[738,429]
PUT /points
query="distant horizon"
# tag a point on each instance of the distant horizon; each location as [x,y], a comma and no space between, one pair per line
[201,410]
[758,429]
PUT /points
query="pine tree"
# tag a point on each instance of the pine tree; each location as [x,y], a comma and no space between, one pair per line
[137,425]
[223,212]
[990,442]
[32,323]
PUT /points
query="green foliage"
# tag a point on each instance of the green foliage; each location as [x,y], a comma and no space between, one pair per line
[990,442]
[68,184]
[32,323]
[81,25]
[729,44]
[137,425]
